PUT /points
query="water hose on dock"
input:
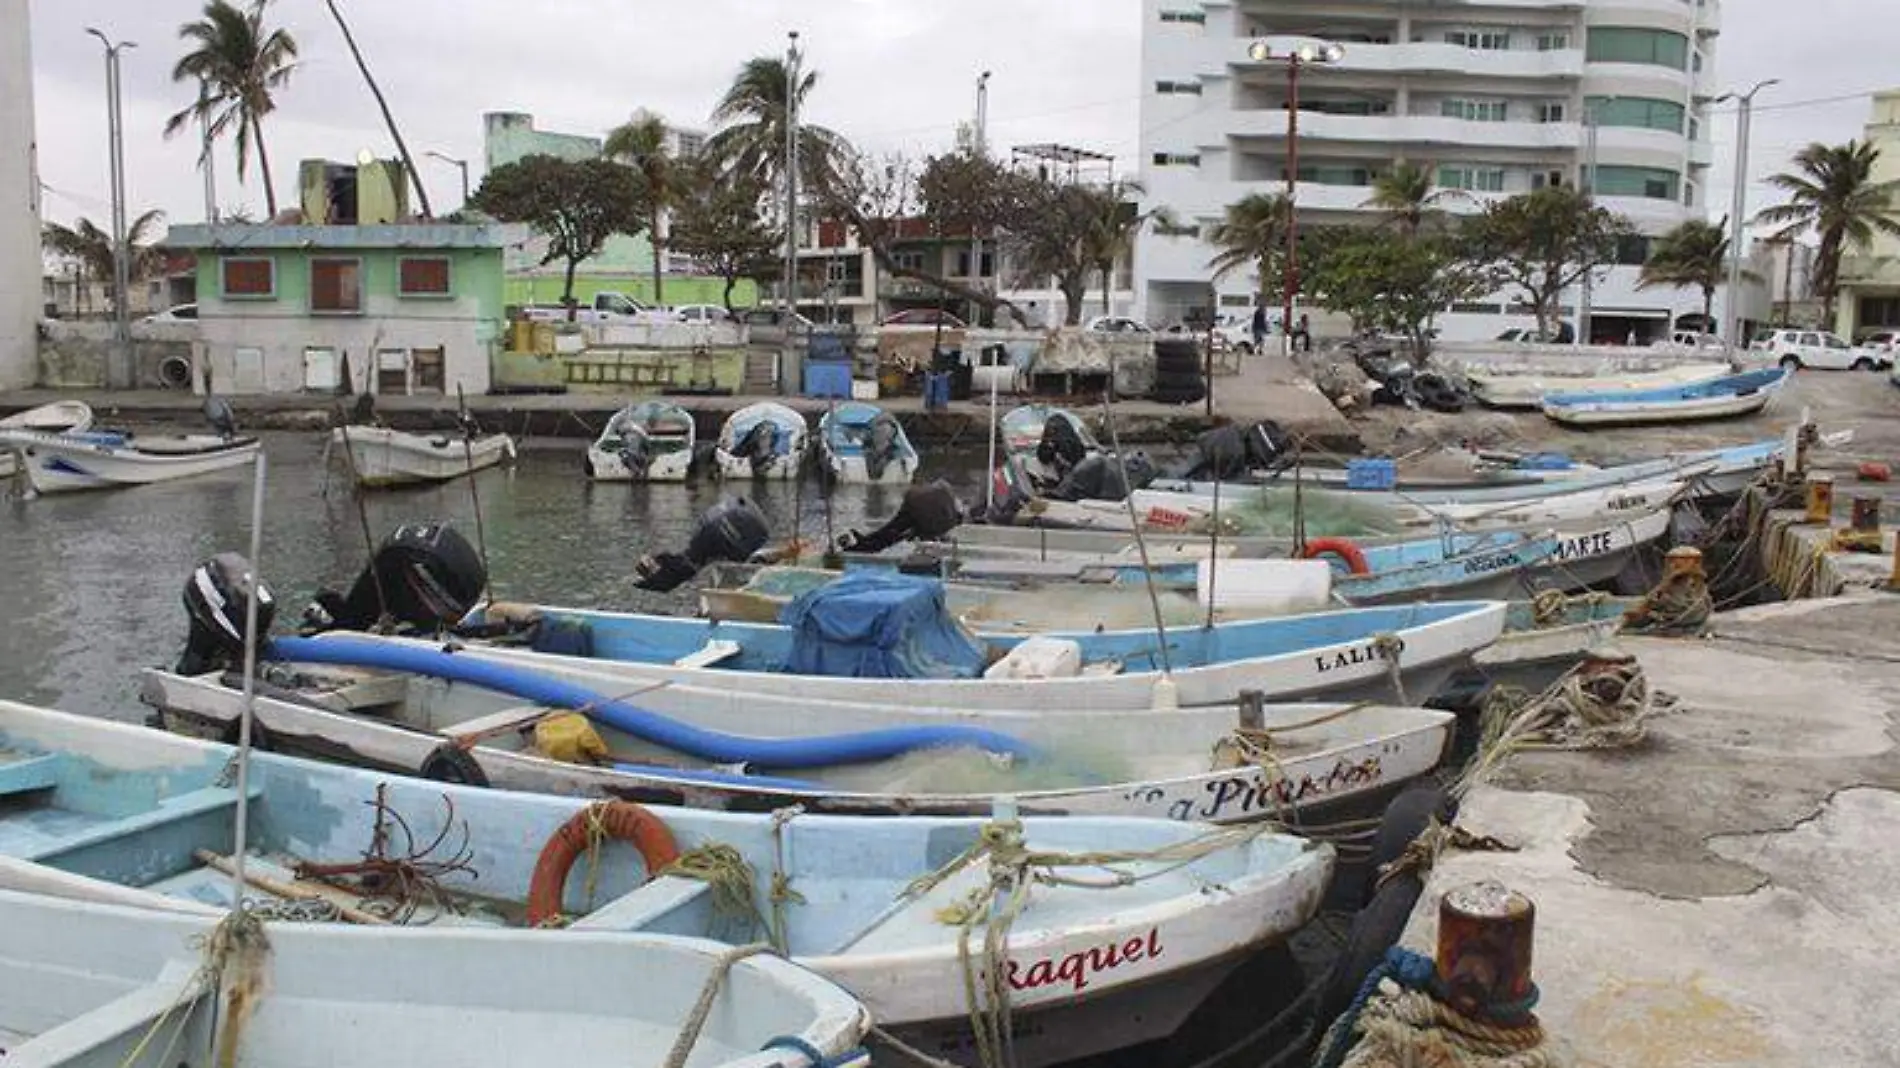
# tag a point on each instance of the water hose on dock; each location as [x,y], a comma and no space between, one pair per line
[714,746]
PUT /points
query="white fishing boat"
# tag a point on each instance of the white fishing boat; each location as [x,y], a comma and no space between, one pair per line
[59,417]
[92,984]
[1045,441]
[1720,398]
[1526,391]
[62,463]
[379,457]
[908,915]
[764,441]
[863,444]
[651,441]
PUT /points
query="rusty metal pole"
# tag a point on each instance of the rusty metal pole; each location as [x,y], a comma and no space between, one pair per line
[1485,932]
[1253,710]
[1820,499]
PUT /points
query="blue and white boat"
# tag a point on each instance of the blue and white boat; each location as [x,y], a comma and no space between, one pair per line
[1091,963]
[59,417]
[864,444]
[870,637]
[763,441]
[1719,398]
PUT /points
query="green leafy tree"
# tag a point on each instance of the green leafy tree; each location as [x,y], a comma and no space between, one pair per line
[717,222]
[1832,191]
[1694,254]
[1055,231]
[1391,281]
[90,248]
[576,204]
[1112,238]
[1543,242]
[641,143]
[238,63]
[753,115]
[1252,234]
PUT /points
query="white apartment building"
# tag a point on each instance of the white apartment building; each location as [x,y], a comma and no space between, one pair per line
[1491,95]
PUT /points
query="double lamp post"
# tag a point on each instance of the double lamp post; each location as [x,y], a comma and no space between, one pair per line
[1295,52]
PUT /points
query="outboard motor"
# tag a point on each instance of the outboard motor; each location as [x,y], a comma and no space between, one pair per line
[219,414]
[731,530]
[759,445]
[217,598]
[1011,492]
[1222,454]
[423,576]
[633,447]
[1099,478]
[1061,448]
[880,444]
[1269,446]
[929,512]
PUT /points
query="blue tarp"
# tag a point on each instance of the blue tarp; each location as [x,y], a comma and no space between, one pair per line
[879,625]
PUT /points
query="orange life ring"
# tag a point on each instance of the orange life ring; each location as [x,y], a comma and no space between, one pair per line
[1343,548]
[622,820]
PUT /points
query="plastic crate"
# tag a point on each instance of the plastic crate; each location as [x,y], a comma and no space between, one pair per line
[828,379]
[1371,474]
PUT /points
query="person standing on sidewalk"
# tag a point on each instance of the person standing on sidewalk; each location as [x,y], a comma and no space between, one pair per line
[1303,335]
[1259,328]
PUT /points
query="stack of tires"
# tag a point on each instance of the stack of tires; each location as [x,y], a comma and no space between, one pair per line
[1178,371]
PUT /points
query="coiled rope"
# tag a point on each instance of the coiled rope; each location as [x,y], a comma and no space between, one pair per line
[1399,1021]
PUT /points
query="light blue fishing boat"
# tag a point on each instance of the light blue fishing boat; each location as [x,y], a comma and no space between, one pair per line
[1092,963]
[1720,398]
[865,445]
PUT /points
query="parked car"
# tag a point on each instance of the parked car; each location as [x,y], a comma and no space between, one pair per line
[701,313]
[606,307]
[923,317]
[177,313]
[1561,334]
[1117,324]
[1818,349]
[1884,342]
[1695,342]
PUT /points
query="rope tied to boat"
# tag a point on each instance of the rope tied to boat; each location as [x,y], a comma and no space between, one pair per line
[1680,604]
[1421,853]
[781,893]
[235,954]
[702,1008]
[1551,607]
[1400,1020]
[724,869]
[1602,703]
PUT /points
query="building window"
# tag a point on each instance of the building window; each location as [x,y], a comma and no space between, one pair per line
[1649,183]
[1477,308]
[249,277]
[1617,44]
[1635,111]
[1177,159]
[1178,88]
[1552,42]
[908,259]
[1632,250]
[1173,229]
[1475,179]
[1336,175]
[1550,113]
[336,285]
[1547,179]
[1486,40]
[423,276]
[1198,18]
[1473,110]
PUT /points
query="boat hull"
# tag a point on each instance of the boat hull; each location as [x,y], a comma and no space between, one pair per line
[853,471]
[1526,392]
[60,464]
[1611,413]
[607,466]
[380,458]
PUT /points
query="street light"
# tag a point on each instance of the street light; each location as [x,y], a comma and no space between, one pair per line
[120,373]
[458,164]
[1295,52]
[1738,204]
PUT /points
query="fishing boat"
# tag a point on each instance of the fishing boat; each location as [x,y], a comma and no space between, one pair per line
[651,441]
[91,983]
[1719,398]
[869,638]
[59,417]
[864,444]
[1046,441]
[764,441]
[1086,963]
[380,458]
[1544,638]
[1526,391]
[89,460]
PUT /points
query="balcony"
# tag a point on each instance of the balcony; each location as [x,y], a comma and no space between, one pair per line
[1405,129]
[1429,57]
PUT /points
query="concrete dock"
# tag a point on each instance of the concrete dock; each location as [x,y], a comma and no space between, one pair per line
[1724,893]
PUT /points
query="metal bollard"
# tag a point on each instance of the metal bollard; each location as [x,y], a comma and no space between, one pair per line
[1485,931]
[1866,515]
[1820,499]
[1684,560]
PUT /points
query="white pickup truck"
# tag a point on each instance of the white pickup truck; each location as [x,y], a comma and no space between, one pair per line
[607,307]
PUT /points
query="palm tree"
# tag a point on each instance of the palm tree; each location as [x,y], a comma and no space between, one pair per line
[91,248]
[237,62]
[1693,254]
[1832,192]
[641,142]
[1118,222]
[752,114]
[1405,194]
[1252,233]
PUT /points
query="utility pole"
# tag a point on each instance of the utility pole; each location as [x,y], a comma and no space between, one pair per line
[1738,207]
[791,206]
[458,164]
[1589,190]
[120,371]
[982,153]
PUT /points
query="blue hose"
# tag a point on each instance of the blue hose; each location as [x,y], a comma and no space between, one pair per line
[860,748]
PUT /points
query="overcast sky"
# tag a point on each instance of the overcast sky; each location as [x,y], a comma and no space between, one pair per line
[895,74]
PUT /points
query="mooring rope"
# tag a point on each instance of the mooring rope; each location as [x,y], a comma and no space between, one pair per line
[702,1008]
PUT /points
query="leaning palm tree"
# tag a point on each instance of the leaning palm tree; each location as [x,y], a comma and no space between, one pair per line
[90,248]
[1693,254]
[1253,232]
[1118,221]
[1832,192]
[237,63]
[1405,194]
[752,117]
[641,142]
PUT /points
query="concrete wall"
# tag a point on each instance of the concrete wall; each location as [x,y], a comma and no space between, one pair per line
[73,355]
[19,202]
